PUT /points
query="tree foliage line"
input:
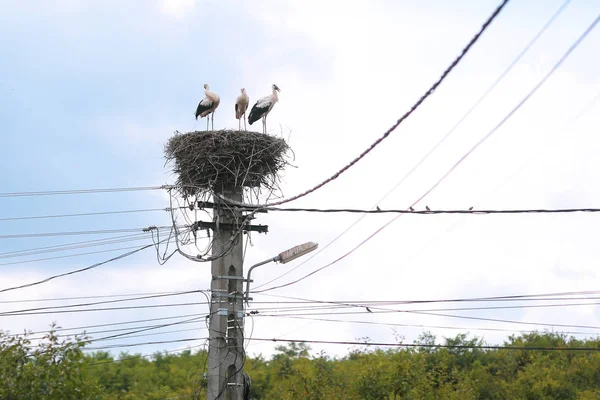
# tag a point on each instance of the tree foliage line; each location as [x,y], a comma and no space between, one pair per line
[59,368]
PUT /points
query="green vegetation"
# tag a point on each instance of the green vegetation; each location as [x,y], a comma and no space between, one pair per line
[60,370]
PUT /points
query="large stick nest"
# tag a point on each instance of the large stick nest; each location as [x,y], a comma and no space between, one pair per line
[222,160]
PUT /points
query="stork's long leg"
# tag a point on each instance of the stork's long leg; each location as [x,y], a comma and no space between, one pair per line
[244,116]
[207,118]
[212,119]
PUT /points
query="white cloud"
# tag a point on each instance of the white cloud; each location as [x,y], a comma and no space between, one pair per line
[177,8]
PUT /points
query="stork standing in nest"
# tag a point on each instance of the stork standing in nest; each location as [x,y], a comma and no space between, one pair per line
[207,106]
[263,107]
[241,105]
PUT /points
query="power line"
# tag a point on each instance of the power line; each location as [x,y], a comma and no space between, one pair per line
[82,214]
[120,335]
[77,233]
[82,191]
[77,270]
[506,321]
[12,314]
[146,343]
[75,245]
[517,297]
[463,328]
[470,151]
[107,324]
[435,314]
[441,346]
[69,255]
[578,115]
[154,296]
[129,329]
[435,212]
[379,310]
[439,143]
[106,296]
[399,121]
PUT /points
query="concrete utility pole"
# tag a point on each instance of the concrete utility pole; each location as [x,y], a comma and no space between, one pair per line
[226,325]
[226,379]
[226,321]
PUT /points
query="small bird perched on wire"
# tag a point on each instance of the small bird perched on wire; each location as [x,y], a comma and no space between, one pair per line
[208,105]
[427,208]
[263,107]
[241,105]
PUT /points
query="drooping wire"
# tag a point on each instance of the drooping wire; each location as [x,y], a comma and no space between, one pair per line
[96,265]
[428,93]
[457,163]
[440,142]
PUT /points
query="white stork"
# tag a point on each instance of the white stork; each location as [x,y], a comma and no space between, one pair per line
[262,108]
[207,106]
[241,105]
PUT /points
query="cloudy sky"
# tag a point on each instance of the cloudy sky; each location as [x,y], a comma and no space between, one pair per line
[90,92]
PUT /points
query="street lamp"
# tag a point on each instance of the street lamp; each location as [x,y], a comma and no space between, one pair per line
[283,257]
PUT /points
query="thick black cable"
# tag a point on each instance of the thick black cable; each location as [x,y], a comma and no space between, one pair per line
[481,141]
[440,142]
[437,212]
[398,122]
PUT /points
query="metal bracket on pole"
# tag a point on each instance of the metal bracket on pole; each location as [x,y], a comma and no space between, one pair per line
[240,278]
[208,204]
[200,225]
[229,296]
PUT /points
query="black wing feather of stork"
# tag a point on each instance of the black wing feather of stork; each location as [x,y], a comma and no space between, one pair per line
[204,105]
[207,106]
[259,109]
[263,107]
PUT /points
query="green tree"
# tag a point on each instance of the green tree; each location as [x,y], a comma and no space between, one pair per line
[53,369]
